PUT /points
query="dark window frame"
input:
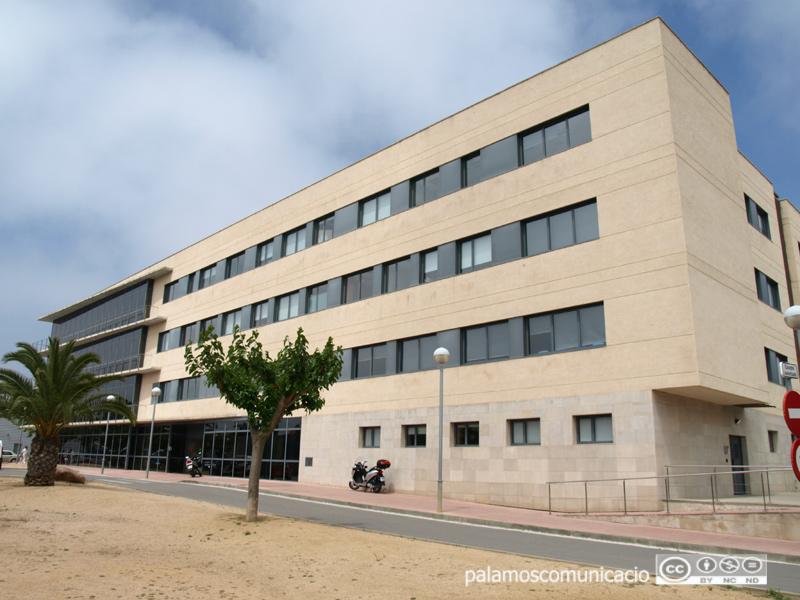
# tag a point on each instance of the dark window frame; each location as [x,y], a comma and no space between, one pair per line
[383,205]
[312,298]
[293,299]
[364,291]
[267,249]
[425,185]
[580,310]
[774,360]
[368,435]
[206,277]
[412,435]
[757,217]
[593,428]
[234,265]
[470,242]
[359,355]
[469,429]
[423,263]
[323,229]
[768,290]
[226,320]
[298,236]
[572,139]
[392,275]
[490,329]
[260,314]
[525,441]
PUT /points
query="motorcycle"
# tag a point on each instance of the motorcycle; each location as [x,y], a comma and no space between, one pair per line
[369,479]
[193,466]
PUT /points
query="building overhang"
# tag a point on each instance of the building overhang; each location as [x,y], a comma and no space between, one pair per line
[154,273]
[716,397]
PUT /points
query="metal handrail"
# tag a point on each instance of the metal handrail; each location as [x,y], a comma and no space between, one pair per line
[111,324]
[666,478]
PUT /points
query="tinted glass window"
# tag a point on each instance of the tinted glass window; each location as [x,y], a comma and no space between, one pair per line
[561,233]
[430,266]
[533,147]
[555,138]
[580,129]
[586,227]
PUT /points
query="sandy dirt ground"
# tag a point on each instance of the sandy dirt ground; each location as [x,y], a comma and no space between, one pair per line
[100,541]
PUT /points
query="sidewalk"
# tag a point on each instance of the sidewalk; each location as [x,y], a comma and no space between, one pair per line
[498,516]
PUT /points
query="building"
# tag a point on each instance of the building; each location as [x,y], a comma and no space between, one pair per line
[606,269]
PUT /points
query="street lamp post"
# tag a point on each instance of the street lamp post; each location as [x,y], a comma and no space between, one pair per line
[154,395]
[105,440]
[441,356]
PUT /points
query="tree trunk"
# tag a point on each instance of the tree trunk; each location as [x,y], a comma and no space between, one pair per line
[42,462]
[258,441]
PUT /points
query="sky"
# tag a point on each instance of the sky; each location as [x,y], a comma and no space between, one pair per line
[130,129]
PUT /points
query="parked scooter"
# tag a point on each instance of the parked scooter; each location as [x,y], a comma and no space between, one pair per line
[369,479]
[194,467]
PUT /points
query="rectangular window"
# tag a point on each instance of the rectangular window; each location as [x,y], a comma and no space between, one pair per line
[767,290]
[234,265]
[375,209]
[757,216]
[425,188]
[416,354]
[264,253]
[323,229]
[556,136]
[475,253]
[416,436]
[170,291]
[288,306]
[486,342]
[471,169]
[317,298]
[370,361]
[566,330]
[559,230]
[169,340]
[525,432]
[260,314]
[207,277]
[370,437]
[397,275]
[206,323]
[466,434]
[190,283]
[773,366]
[230,321]
[430,266]
[358,286]
[594,429]
[294,241]
[189,334]
[773,440]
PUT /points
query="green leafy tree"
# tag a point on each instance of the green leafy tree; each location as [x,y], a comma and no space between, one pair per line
[60,391]
[267,389]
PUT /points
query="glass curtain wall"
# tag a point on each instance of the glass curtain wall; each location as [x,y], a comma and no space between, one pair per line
[227,450]
[83,446]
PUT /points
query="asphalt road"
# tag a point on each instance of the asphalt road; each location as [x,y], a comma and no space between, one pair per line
[597,553]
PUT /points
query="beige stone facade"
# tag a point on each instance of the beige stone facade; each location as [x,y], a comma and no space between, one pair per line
[672,265]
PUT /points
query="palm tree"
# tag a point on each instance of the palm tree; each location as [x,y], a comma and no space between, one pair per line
[60,391]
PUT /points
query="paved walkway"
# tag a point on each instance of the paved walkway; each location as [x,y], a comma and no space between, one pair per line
[499,516]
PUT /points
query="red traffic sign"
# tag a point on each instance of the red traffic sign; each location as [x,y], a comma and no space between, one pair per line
[791,411]
[795,452]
